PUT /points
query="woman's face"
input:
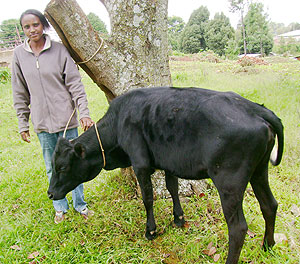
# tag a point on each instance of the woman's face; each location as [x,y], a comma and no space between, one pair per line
[32,27]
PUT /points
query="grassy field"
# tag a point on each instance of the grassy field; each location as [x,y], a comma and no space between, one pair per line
[116,233]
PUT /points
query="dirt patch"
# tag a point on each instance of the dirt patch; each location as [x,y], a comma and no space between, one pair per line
[182,58]
[250,61]
[206,56]
[6,58]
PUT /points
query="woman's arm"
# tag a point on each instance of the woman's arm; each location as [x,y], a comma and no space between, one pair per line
[74,85]
[21,95]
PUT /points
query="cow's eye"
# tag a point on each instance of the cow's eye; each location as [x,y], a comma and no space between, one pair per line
[61,169]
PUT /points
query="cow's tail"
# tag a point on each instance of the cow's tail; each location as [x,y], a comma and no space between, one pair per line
[277,126]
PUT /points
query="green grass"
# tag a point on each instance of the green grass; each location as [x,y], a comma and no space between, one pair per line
[116,233]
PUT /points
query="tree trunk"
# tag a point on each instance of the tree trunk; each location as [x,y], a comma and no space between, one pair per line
[134,55]
[244,32]
[261,48]
[129,58]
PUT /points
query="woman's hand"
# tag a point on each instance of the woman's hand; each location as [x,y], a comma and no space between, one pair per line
[86,123]
[25,135]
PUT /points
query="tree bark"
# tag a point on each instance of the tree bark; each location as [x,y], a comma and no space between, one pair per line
[244,31]
[134,55]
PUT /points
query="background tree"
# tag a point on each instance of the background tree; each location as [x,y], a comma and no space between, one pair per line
[175,28]
[282,45]
[240,6]
[10,27]
[292,47]
[97,23]
[277,28]
[219,32]
[11,33]
[293,26]
[193,35]
[232,49]
[280,28]
[258,36]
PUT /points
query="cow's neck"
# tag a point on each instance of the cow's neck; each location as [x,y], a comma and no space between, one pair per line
[90,141]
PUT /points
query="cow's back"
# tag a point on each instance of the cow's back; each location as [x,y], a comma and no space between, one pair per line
[186,128]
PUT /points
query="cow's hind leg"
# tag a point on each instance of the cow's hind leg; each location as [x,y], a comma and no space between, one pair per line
[172,186]
[267,202]
[231,190]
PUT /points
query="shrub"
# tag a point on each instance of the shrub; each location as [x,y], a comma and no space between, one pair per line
[251,61]
[5,75]
[209,56]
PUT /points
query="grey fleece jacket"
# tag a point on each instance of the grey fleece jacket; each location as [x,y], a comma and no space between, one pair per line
[47,88]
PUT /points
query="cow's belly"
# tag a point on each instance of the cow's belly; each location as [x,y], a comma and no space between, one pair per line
[182,168]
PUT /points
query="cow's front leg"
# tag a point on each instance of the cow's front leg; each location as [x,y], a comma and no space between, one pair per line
[144,179]
[172,186]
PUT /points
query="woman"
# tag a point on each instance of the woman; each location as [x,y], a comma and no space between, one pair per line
[45,78]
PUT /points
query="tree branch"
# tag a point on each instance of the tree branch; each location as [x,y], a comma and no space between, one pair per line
[74,30]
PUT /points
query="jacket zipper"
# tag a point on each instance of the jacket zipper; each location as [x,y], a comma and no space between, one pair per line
[38,67]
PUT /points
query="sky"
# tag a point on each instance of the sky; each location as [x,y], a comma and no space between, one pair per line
[279,11]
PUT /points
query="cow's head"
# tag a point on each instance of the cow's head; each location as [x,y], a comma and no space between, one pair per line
[69,168]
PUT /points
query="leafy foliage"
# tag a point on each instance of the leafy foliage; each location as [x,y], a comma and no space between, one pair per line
[240,6]
[294,26]
[258,37]
[193,40]
[10,32]
[287,47]
[232,49]
[9,28]
[175,24]
[219,32]
[280,28]
[5,75]
[97,23]
[175,27]
[193,35]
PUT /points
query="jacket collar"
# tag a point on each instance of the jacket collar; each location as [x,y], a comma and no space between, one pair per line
[46,46]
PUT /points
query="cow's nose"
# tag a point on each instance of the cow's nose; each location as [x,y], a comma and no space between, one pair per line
[50,196]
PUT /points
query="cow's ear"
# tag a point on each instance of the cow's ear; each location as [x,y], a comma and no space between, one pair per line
[62,143]
[79,150]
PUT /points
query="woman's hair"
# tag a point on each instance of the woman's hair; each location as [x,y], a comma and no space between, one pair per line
[38,14]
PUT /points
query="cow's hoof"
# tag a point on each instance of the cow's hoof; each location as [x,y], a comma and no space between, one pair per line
[267,246]
[179,221]
[150,235]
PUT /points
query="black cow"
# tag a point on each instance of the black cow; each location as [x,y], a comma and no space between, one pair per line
[189,133]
